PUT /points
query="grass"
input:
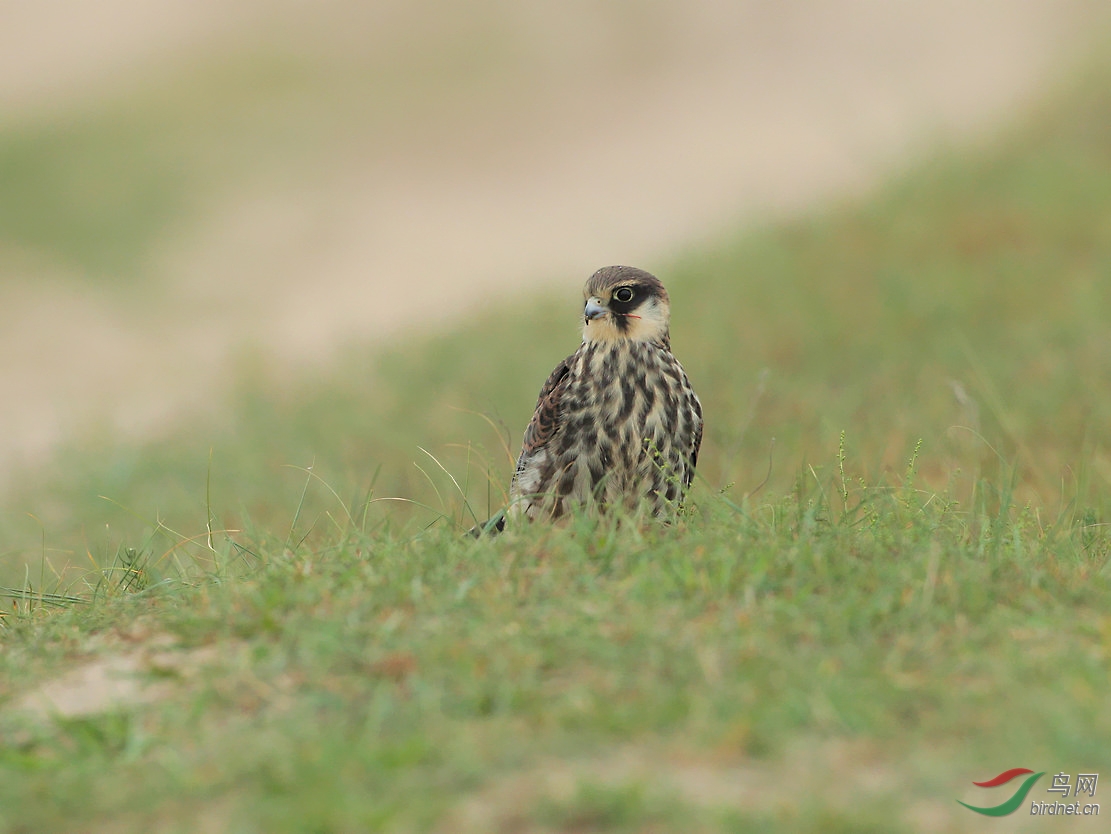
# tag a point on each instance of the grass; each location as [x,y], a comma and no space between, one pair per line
[376,680]
[916,598]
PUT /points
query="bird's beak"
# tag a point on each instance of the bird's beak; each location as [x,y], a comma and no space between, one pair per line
[595,309]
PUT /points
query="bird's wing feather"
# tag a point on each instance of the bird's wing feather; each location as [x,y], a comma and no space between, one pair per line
[694,451]
[545,420]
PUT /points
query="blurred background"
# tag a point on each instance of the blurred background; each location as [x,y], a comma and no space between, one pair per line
[189,186]
[193,196]
[256,257]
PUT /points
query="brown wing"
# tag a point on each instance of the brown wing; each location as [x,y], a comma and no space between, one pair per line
[545,420]
[694,453]
[697,441]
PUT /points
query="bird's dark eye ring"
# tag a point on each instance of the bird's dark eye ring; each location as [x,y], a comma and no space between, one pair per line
[623,294]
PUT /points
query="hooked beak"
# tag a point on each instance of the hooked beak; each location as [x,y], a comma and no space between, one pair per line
[595,309]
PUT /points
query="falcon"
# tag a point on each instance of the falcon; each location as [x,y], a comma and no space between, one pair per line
[616,422]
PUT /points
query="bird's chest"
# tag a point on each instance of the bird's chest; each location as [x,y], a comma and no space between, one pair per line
[621,400]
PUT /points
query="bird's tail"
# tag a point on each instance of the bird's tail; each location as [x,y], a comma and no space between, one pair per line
[491,527]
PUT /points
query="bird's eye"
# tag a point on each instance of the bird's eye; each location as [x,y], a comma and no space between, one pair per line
[623,294]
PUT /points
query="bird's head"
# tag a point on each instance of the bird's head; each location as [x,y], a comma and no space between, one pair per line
[623,302]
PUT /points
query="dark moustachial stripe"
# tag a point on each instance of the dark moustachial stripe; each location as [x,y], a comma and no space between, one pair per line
[618,425]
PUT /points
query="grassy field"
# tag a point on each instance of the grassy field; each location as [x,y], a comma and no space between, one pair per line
[892,581]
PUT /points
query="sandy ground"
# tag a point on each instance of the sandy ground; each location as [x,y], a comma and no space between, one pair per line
[619,144]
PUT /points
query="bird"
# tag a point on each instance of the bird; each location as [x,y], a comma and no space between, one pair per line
[617,422]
